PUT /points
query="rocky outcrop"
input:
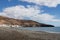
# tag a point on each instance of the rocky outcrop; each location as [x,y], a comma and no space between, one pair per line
[24,23]
[46,25]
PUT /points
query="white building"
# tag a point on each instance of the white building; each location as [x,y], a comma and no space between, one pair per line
[5,25]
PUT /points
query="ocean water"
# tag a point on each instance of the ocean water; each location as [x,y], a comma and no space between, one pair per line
[46,29]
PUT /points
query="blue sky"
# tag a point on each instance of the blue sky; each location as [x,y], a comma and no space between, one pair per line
[45,11]
[52,10]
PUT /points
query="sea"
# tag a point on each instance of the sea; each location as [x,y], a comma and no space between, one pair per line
[45,29]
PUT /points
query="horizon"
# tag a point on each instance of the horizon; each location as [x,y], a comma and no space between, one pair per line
[42,11]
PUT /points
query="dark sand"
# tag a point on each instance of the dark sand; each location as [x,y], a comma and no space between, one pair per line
[16,34]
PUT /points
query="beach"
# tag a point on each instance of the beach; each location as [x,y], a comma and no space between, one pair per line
[19,34]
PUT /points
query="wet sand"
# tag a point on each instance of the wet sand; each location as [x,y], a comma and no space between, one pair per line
[19,34]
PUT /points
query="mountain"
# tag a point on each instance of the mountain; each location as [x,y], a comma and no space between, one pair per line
[24,23]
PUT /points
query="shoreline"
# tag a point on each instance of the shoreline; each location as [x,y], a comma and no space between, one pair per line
[19,34]
[22,28]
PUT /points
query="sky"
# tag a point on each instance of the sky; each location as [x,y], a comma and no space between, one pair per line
[42,11]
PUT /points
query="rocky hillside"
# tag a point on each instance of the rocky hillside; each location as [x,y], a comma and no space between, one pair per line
[24,23]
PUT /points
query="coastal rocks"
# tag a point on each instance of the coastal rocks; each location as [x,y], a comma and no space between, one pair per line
[46,25]
[23,23]
[30,23]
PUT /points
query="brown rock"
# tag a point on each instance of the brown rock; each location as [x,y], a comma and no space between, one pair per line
[24,23]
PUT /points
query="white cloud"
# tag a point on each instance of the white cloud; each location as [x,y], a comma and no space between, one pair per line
[20,12]
[49,3]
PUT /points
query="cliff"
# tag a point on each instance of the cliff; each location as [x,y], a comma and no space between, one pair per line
[24,23]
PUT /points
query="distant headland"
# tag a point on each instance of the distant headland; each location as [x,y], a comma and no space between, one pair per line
[23,23]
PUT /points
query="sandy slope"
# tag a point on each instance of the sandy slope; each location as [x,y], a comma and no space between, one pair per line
[16,34]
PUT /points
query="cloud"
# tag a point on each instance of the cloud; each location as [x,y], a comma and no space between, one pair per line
[48,17]
[49,3]
[20,12]
[33,13]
